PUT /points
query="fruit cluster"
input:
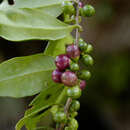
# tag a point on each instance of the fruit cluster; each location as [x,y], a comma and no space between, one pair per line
[69,11]
[70,73]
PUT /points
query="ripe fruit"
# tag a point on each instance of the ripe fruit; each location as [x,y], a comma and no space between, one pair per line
[62,62]
[88,10]
[75,105]
[56,76]
[74,92]
[60,117]
[82,45]
[73,51]
[74,66]
[82,84]
[69,78]
[68,7]
[80,5]
[89,48]
[85,75]
[87,60]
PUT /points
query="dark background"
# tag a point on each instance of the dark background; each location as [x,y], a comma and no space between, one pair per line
[105,104]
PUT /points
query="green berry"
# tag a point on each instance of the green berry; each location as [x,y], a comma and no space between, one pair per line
[60,117]
[74,114]
[69,128]
[74,92]
[75,105]
[68,7]
[87,60]
[89,49]
[83,45]
[74,66]
[73,123]
[85,75]
[88,10]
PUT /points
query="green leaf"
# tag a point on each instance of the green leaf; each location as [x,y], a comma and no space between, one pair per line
[26,24]
[43,101]
[25,76]
[57,47]
[52,7]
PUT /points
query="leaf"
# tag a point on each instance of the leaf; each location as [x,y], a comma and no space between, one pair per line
[43,101]
[25,76]
[57,47]
[26,24]
[52,7]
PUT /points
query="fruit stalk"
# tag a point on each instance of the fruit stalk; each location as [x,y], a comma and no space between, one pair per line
[77,23]
[69,100]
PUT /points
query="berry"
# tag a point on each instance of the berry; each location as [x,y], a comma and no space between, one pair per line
[62,62]
[60,117]
[68,7]
[85,75]
[74,114]
[75,105]
[82,84]
[80,5]
[89,48]
[88,10]
[73,51]
[56,76]
[87,60]
[69,78]
[69,128]
[73,123]
[82,45]
[74,92]
[74,66]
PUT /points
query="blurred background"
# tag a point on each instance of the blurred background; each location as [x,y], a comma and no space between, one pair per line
[105,104]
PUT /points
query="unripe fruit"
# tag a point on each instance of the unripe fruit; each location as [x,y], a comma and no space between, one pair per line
[62,62]
[69,78]
[82,84]
[88,10]
[74,92]
[73,123]
[56,76]
[72,51]
[74,66]
[75,105]
[60,117]
[69,128]
[85,75]
[74,114]
[68,7]
[83,45]
[87,60]
[89,49]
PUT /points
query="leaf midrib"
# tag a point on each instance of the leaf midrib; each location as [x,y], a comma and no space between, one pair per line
[26,74]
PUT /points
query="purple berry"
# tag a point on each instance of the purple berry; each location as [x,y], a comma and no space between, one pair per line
[73,51]
[82,84]
[80,5]
[69,78]
[62,62]
[56,76]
